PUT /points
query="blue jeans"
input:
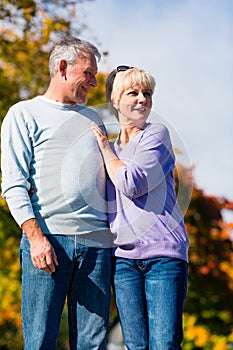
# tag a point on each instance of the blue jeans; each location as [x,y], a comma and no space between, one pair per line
[149,296]
[84,277]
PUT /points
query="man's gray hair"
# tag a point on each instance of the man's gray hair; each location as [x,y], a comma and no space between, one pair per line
[69,48]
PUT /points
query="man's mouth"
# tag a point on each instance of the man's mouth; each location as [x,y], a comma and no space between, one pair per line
[85,89]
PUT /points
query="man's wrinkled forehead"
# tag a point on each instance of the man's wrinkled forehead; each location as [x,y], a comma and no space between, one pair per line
[88,60]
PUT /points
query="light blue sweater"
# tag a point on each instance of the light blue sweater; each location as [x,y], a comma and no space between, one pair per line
[51,146]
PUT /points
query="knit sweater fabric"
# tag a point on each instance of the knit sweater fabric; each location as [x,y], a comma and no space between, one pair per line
[50,145]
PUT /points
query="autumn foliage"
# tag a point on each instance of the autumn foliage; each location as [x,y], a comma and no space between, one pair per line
[209,305]
[27,32]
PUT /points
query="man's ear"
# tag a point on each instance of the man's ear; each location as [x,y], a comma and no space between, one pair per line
[62,67]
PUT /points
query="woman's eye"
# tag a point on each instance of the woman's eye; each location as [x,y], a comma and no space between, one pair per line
[147,94]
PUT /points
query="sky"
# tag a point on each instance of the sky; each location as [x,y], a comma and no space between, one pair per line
[187,45]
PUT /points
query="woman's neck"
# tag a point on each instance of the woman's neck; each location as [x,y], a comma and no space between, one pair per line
[127,134]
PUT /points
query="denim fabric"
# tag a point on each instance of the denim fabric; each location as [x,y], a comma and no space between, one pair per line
[149,296]
[83,276]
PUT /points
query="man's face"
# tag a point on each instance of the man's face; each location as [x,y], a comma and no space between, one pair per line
[79,78]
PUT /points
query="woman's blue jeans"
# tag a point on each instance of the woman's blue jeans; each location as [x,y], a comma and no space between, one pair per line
[84,277]
[149,296]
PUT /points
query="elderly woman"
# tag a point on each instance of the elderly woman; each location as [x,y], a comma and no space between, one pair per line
[151,252]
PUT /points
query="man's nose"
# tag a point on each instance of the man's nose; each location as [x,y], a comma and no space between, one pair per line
[93,81]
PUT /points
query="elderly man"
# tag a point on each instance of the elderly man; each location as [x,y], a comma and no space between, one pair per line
[65,249]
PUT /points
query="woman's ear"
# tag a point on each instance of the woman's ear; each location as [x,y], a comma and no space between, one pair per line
[114,108]
[115,105]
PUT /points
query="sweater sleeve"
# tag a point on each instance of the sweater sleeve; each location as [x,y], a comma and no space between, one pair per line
[147,163]
[15,163]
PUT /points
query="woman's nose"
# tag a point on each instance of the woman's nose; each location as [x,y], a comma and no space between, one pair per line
[141,98]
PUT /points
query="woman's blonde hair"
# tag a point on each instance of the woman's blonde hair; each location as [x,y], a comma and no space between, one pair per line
[118,82]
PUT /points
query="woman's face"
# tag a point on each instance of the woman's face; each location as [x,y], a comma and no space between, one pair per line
[134,106]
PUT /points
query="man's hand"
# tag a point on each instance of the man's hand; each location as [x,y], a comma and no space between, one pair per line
[42,253]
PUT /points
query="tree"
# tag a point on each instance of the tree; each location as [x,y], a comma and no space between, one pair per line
[10,281]
[28,30]
[209,305]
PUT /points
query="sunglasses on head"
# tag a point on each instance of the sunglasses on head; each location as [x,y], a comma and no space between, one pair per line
[123,68]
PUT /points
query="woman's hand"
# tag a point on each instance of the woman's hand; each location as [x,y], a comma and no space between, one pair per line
[112,163]
[100,137]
